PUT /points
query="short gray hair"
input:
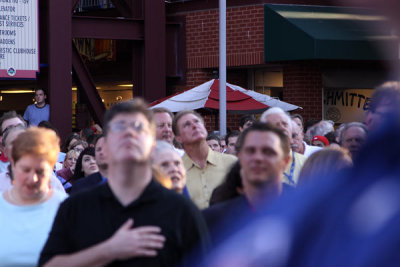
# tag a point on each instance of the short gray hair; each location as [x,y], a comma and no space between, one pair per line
[162,146]
[276,110]
[11,129]
[321,128]
[352,124]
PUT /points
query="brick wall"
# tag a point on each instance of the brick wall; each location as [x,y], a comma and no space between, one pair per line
[244,37]
[302,86]
[245,47]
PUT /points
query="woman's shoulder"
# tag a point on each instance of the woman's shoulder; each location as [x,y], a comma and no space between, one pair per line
[58,197]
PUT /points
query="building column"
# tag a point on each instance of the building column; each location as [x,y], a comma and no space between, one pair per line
[59,59]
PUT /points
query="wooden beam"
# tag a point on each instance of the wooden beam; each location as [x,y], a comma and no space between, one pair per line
[74,5]
[107,28]
[85,81]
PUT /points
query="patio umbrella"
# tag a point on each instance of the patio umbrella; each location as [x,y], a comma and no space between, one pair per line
[206,95]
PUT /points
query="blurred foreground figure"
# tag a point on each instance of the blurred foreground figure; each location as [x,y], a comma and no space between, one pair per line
[350,218]
[385,100]
[28,208]
[322,163]
[131,220]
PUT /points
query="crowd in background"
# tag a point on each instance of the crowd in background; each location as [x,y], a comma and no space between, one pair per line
[153,188]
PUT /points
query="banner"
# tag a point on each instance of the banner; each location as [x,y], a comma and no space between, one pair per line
[346,105]
[19,38]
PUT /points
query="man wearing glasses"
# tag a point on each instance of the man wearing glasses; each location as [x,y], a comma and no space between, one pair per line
[8,120]
[131,220]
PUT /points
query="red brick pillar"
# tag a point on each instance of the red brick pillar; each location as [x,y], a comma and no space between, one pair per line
[302,86]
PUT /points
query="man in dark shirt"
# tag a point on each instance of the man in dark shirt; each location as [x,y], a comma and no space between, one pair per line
[263,153]
[131,220]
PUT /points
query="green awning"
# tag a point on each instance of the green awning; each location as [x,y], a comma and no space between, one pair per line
[296,32]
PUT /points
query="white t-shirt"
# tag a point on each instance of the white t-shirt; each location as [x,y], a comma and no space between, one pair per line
[24,230]
[309,150]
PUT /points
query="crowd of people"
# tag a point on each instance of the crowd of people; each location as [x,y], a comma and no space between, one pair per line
[156,189]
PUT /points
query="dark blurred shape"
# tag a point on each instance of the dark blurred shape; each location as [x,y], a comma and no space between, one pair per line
[229,188]
[385,100]
[48,125]
[350,218]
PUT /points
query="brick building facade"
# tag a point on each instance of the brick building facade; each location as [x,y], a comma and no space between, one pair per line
[302,80]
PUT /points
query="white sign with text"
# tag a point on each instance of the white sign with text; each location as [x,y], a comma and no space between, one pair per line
[19,38]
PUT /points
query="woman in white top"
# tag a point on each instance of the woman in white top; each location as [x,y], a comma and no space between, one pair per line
[28,208]
[5,178]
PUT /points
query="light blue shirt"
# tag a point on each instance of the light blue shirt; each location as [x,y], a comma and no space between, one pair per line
[24,230]
[34,115]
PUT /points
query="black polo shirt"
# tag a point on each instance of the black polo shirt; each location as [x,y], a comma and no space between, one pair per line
[91,217]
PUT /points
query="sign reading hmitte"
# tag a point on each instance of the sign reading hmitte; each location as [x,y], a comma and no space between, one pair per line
[19,38]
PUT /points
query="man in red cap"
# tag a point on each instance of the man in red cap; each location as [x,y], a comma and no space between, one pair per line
[320,141]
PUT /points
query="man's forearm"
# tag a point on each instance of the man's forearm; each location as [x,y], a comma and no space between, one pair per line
[97,255]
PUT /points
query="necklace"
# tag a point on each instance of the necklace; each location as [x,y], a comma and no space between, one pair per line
[17,202]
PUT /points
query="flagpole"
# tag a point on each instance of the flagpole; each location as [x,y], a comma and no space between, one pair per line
[222,67]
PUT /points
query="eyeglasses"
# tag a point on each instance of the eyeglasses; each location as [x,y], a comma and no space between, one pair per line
[121,126]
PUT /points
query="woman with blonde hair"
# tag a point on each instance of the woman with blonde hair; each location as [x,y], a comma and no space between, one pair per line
[28,208]
[66,173]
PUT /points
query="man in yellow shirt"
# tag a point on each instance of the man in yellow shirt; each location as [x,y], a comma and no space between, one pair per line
[205,168]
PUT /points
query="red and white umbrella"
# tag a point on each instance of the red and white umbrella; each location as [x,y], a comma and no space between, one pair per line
[206,95]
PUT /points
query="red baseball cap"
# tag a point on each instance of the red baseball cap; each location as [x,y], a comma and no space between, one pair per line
[321,138]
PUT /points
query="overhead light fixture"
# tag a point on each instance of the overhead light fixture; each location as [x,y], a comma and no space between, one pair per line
[125,85]
[76,88]
[17,91]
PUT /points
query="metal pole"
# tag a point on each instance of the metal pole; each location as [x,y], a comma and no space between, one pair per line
[222,67]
